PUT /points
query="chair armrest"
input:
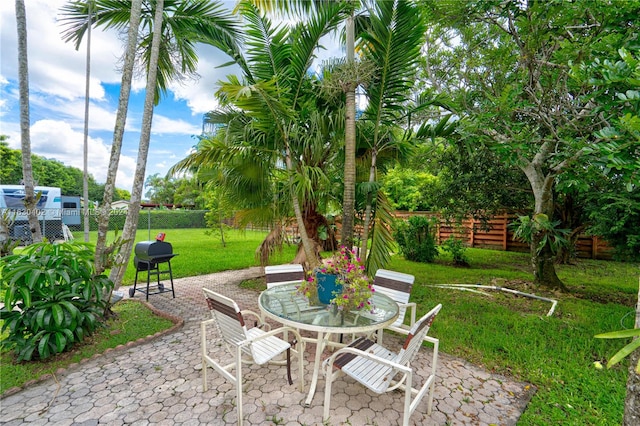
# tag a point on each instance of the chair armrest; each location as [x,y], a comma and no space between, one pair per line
[328,363]
[267,334]
[411,306]
[203,332]
[260,321]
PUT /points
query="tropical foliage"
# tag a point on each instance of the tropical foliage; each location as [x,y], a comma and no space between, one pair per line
[276,132]
[415,239]
[52,298]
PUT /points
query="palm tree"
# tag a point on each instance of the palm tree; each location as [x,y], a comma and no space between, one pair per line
[30,200]
[184,23]
[391,40]
[73,17]
[273,117]
[306,7]
[85,149]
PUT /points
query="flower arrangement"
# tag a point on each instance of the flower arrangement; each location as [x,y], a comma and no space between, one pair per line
[357,288]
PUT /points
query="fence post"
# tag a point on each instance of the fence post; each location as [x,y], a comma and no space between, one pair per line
[594,247]
[504,230]
[472,233]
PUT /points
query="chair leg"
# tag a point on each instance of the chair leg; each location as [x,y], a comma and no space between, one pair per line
[239,384]
[301,347]
[203,351]
[407,400]
[329,376]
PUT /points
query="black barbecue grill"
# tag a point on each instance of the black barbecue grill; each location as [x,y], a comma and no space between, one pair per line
[149,255]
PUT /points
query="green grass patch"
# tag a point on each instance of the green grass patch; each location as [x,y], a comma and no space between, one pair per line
[200,253]
[133,320]
[512,335]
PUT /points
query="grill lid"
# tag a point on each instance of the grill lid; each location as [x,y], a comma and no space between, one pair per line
[150,250]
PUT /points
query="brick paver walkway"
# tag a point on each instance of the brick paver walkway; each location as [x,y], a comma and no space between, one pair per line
[159,382]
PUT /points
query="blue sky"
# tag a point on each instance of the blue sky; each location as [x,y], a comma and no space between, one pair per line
[57,89]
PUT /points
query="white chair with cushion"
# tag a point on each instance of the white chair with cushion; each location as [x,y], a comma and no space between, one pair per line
[246,345]
[382,370]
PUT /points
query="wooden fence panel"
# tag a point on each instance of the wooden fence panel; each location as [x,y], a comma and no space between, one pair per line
[499,237]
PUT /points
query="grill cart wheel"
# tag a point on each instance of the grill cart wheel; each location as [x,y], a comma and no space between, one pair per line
[131,292]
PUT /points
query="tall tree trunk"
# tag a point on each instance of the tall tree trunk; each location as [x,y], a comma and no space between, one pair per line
[25,135]
[116,146]
[308,245]
[369,208]
[632,401]
[131,222]
[542,260]
[348,200]
[85,151]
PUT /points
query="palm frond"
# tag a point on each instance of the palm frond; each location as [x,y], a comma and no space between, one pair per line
[382,236]
[392,41]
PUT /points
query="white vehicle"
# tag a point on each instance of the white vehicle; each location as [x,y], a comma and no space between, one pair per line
[52,208]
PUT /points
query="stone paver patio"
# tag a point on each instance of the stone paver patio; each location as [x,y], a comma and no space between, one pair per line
[158,381]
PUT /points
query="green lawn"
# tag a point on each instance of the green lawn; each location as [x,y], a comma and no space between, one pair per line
[200,253]
[513,336]
[504,333]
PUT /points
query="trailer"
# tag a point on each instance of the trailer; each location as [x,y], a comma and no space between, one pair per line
[53,210]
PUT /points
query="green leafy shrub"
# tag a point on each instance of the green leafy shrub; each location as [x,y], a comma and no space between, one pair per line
[156,219]
[415,240]
[52,298]
[456,247]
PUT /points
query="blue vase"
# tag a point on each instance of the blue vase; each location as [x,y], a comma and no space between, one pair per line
[327,287]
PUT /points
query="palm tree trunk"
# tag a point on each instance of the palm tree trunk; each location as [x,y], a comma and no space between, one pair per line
[85,151]
[25,136]
[369,208]
[348,200]
[307,244]
[131,222]
[116,147]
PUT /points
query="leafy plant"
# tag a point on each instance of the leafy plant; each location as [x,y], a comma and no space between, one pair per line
[356,286]
[625,351]
[415,239]
[525,227]
[52,298]
[456,247]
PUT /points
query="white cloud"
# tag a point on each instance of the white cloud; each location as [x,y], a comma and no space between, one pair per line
[166,125]
[57,140]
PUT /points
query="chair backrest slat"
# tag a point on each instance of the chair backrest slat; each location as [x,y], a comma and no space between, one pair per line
[416,336]
[283,274]
[397,286]
[227,316]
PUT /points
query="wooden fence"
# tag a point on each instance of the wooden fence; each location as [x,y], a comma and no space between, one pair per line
[499,237]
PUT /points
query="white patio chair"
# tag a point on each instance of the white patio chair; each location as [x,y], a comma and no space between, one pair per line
[246,345]
[283,274]
[291,273]
[382,370]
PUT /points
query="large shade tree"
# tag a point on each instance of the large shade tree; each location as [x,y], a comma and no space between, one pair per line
[512,78]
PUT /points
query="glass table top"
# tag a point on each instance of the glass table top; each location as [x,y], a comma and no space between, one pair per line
[285,304]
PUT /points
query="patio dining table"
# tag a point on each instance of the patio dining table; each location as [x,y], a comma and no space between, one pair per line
[283,304]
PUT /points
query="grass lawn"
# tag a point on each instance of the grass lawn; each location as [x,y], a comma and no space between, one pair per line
[512,335]
[504,333]
[200,253]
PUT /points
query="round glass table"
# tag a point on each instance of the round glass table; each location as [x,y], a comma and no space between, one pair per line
[283,304]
